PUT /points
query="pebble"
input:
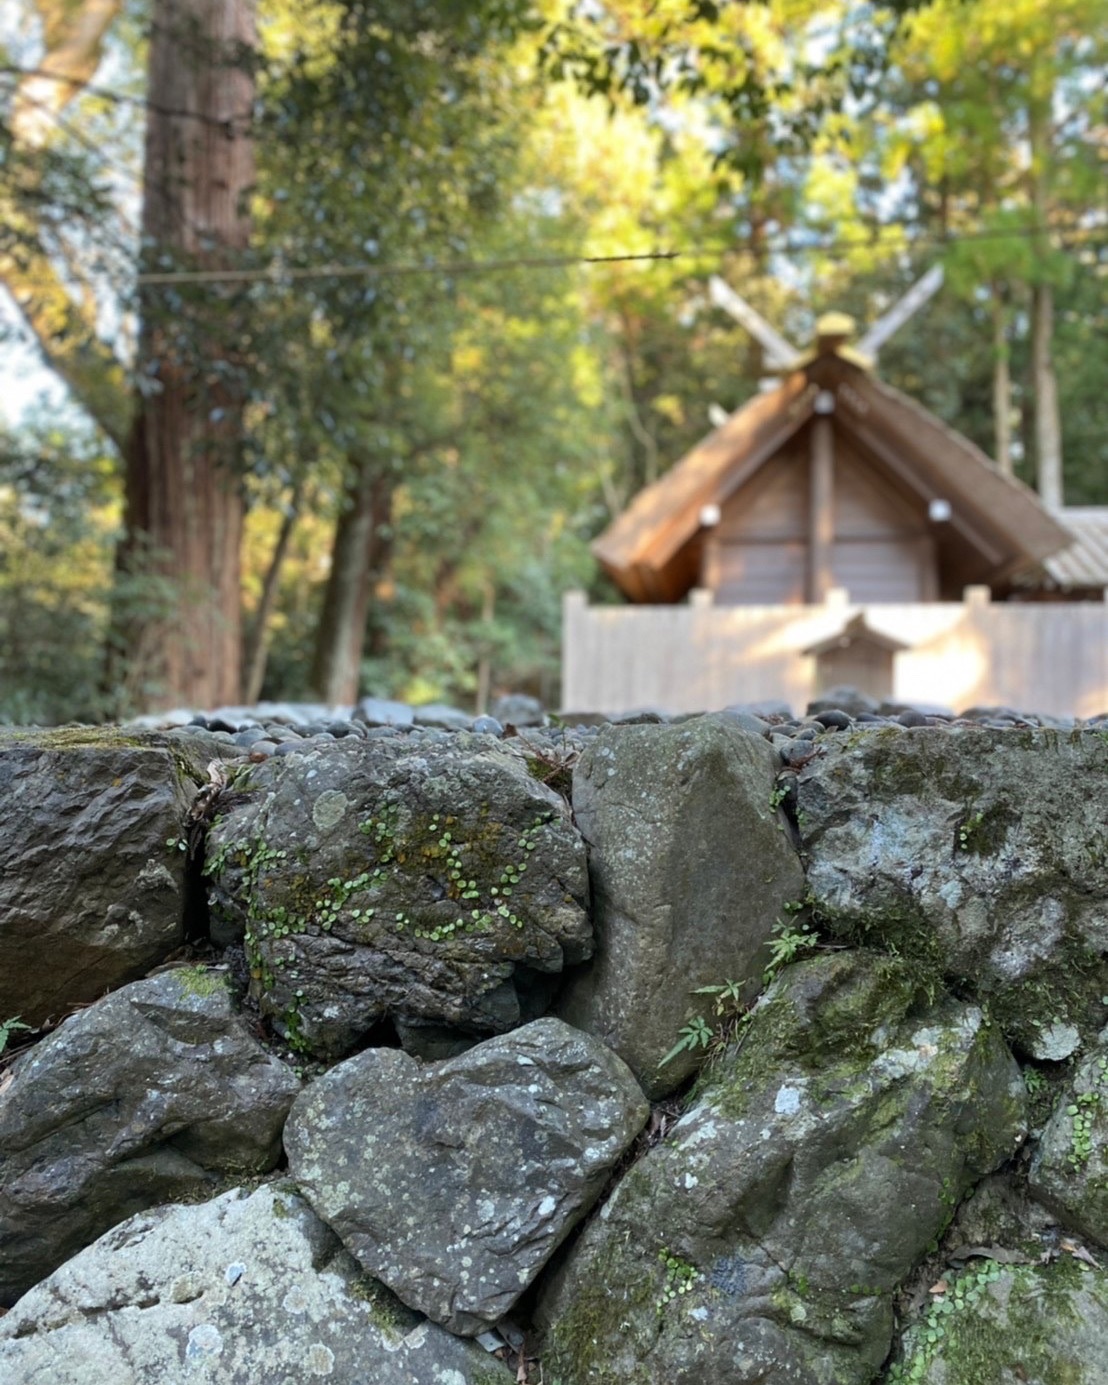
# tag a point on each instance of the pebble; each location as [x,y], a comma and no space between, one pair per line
[748,721]
[290,728]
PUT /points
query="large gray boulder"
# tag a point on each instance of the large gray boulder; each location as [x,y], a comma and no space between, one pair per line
[1070,1170]
[91,877]
[691,866]
[243,1290]
[980,854]
[765,1238]
[997,1324]
[455,1182]
[429,880]
[143,1097]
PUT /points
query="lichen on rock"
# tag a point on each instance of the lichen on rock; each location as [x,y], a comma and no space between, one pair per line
[979,853]
[426,881]
[820,1157]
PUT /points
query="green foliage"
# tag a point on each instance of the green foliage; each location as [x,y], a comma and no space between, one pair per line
[788,943]
[1082,1112]
[962,1296]
[711,51]
[9,1027]
[57,524]
[505,417]
[680,1278]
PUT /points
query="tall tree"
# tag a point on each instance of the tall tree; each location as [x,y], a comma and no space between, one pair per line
[183,487]
[179,433]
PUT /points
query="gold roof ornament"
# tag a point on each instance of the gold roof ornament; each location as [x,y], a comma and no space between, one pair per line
[833,332]
[835,324]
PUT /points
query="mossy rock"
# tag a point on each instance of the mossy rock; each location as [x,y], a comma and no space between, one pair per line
[1040,1325]
[1070,1170]
[436,883]
[821,1157]
[979,854]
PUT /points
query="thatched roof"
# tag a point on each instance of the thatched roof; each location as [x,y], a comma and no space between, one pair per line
[646,548]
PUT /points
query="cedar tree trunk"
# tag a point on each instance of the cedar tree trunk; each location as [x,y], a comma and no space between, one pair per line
[184,505]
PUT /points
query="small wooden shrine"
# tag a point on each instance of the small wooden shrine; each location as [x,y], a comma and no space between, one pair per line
[832,479]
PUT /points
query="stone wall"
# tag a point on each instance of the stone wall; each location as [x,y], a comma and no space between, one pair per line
[731,1049]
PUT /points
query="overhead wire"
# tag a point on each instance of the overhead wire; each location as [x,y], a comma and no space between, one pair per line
[279,273]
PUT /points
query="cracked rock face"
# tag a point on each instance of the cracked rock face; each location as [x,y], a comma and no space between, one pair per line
[691,866]
[428,881]
[141,1098]
[980,852]
[454,1183]
[237,1291]
[91,895]
[1070,1170]
[764,1239]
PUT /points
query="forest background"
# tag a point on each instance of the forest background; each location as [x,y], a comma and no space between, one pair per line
[368,316]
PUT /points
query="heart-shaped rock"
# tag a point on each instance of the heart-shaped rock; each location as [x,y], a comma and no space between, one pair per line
[455,1182]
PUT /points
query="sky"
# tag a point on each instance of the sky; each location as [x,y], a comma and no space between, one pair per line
[24,380]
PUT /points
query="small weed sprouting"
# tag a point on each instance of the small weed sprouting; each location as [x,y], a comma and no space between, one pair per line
[698,1033]
[1082,1112]
[9,1027]
[967,829]
[964,1293]
[788,943]
[680,1277]
[729,1013]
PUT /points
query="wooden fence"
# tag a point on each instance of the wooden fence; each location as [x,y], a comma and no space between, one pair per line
[1044,657]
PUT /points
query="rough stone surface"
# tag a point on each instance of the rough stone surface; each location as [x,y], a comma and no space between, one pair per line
[979,852]
[691,865]
[418,878]
[442,715]
[380,711]
[455,1182]
[999,1324]
[140,1098]
[843,699]
[91,895]
[519,710]
[1070,1169]
[764,1239]
[243,1290]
